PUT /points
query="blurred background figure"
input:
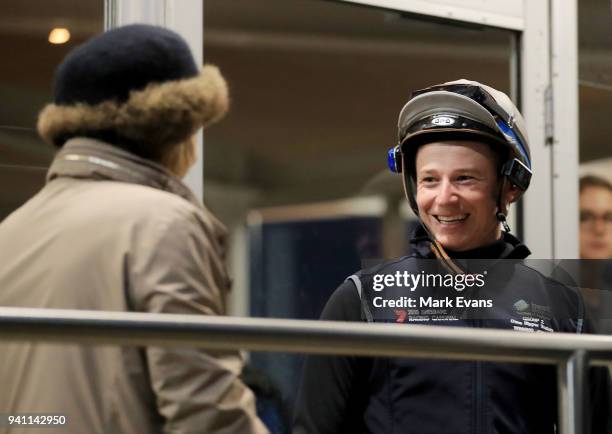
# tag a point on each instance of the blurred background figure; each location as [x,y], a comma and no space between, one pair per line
[595,218]
[596,249]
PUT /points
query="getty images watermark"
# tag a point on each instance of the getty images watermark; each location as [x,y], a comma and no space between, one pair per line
[401,281]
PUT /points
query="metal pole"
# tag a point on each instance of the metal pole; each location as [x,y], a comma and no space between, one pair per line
[572,383]
[320,337]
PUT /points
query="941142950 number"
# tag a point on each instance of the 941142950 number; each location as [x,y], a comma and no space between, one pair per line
[35,419]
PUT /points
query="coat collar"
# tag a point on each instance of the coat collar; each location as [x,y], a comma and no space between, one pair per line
[86,158]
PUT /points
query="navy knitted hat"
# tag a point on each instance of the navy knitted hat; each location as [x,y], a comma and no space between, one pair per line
[138,84]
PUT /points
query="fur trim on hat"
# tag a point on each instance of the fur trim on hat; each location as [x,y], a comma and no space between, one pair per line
[160,114]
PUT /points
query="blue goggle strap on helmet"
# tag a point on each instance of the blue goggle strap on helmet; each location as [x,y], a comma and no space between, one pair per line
[513,138]
[394,159]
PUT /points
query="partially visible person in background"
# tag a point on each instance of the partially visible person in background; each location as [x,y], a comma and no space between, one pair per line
[595,274]
[595,218]
[115,229]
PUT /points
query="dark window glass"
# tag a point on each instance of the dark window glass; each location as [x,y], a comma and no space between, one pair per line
[26,80]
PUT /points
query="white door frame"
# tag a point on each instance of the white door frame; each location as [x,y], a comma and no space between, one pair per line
[506,14]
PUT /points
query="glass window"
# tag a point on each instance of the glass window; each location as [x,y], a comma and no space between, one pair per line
[316,89]
[595,91]
[26,80]
[595,79]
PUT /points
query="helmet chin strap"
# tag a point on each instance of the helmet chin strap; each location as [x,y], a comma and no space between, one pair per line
[441,254]
[502,210]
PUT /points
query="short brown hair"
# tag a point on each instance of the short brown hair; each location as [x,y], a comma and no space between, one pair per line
[594,181]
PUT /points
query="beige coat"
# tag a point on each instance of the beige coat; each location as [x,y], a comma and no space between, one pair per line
[111,231]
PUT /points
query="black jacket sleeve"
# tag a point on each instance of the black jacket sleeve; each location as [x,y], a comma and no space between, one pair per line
[333,389]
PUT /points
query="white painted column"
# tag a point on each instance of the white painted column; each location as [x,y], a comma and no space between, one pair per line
[565,150]
[185,17]
[550,105]
[535,80]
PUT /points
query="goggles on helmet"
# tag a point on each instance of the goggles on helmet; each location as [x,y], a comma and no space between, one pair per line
[505,121]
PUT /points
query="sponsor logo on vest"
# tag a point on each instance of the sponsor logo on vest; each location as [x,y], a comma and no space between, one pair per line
[534,317]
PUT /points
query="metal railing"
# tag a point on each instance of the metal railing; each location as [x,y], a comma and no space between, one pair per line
[572,354]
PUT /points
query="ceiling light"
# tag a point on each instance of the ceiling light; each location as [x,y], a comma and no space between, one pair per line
[59,35]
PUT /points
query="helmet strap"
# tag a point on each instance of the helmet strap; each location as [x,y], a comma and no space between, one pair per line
[502,210]
[446,261]
[409,190]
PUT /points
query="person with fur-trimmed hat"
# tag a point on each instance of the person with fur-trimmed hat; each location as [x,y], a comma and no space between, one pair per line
[115,229]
